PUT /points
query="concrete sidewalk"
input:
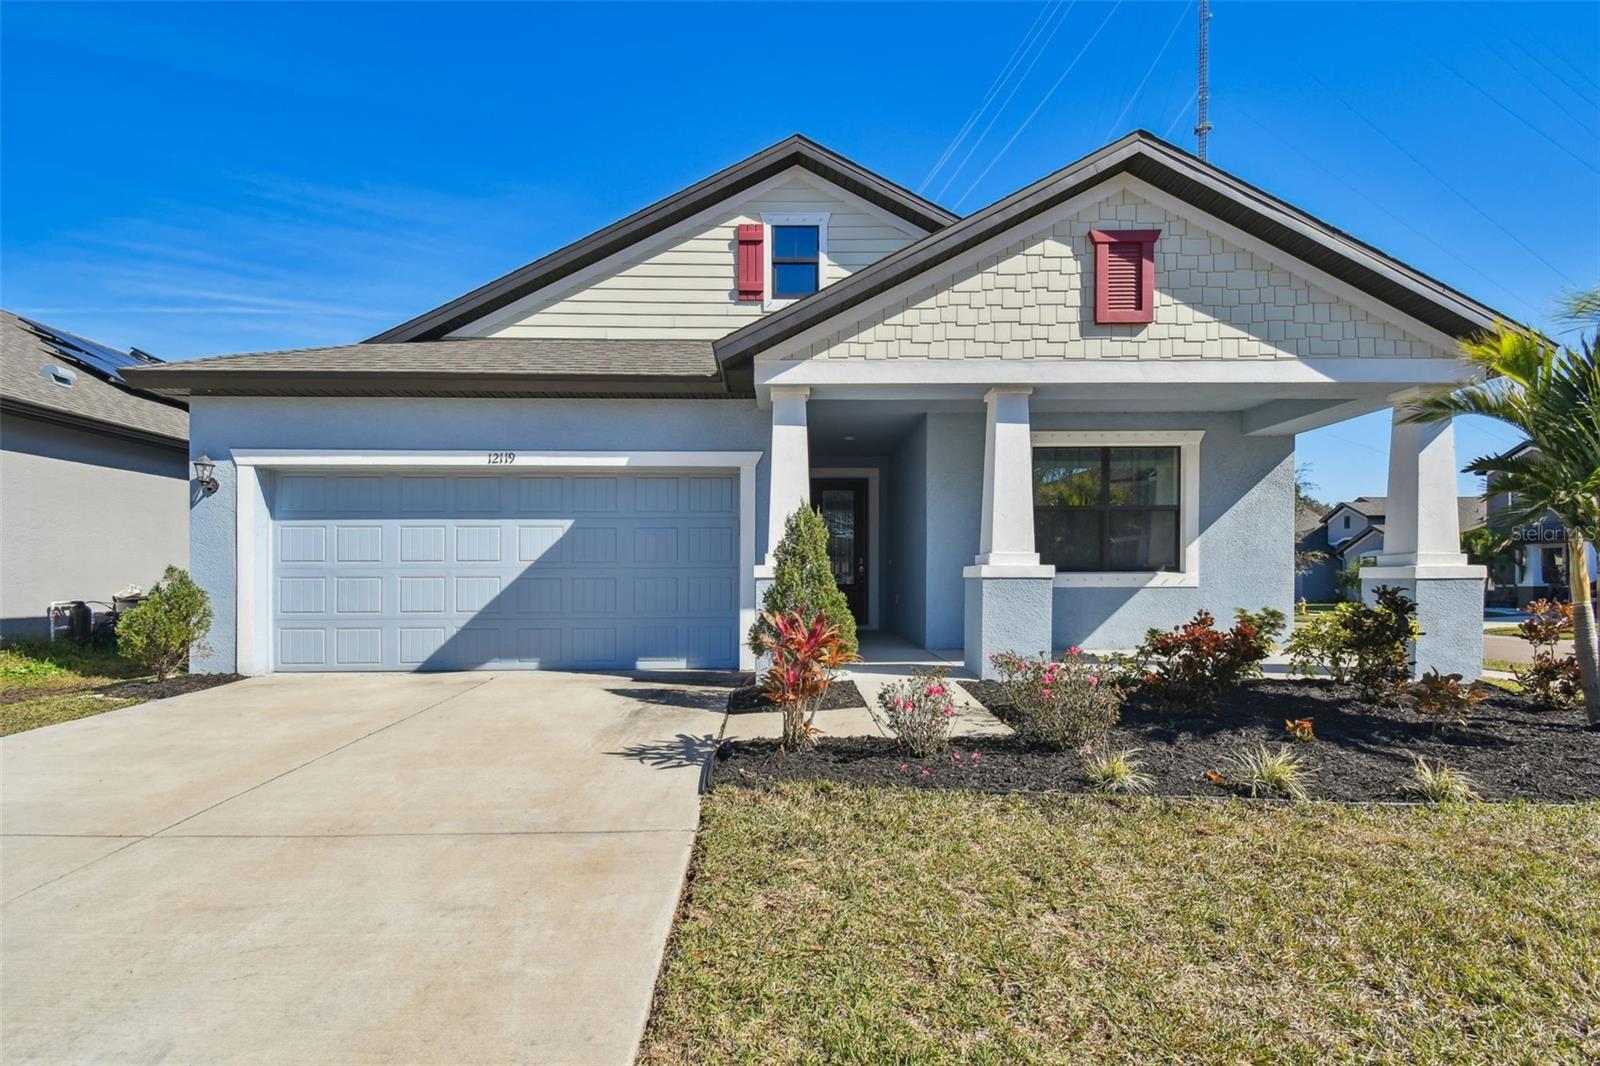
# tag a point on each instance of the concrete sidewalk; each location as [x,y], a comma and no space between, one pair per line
[455,868]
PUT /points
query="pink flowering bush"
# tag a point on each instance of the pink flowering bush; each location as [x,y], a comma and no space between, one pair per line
[1065,704]
[917,711]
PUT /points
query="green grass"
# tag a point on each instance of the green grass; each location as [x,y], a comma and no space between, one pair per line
[43,683]
[1513,631]
[1505,665]
[32,713]
[829,924]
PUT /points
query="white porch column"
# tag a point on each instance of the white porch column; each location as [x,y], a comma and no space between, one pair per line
[790,486]
[1422,547]
[1009,596]
[1422,526]
[1532,563]
[1006,536]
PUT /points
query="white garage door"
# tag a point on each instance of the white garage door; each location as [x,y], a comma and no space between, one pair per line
[430,571]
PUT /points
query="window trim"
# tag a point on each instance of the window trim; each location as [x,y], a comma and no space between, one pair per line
[817,219]
[1188,444]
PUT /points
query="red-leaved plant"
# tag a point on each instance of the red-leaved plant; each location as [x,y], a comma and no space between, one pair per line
[804,656]
[1552,680]
[1190,666]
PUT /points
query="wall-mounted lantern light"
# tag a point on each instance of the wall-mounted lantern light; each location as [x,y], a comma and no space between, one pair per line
[204,468]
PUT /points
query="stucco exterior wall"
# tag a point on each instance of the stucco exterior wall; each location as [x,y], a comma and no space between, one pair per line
[82,515]
[1034,299]
[219,425]
[905,483]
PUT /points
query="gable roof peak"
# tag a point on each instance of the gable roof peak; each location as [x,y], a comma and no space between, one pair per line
[794,150]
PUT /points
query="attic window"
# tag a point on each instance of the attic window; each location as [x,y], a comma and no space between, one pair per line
[1124,275]
[797,256]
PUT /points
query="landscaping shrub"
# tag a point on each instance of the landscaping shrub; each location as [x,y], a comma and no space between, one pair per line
[173,619]
[804,656]
[1300,729]
[1191,666]
[1269,624]
[802,582]
[1552,681]
[1379,637]
[1443,696]
[1063,704]
[1321,644]
[917,711]
[1266,773]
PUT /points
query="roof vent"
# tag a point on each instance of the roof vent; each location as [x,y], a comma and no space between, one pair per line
[58,375]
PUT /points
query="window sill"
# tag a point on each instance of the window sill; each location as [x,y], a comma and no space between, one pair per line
[1161,579]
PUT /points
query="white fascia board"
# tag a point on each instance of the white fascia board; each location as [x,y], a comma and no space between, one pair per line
[327,457]
[935,378]
[1145,191]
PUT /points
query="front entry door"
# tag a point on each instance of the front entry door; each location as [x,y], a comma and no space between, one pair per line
[843,503]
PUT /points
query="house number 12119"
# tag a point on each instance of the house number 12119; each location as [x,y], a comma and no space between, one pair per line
[502,458]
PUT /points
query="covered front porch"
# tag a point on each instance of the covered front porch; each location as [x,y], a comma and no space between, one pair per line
[936,499]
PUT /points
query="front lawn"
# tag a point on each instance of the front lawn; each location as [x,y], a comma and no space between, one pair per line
[45,683]
[827,923]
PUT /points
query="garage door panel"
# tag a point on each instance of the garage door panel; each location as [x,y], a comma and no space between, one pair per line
[416,571]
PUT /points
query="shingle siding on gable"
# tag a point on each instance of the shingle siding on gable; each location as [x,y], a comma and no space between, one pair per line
[1035,299]
[689,289]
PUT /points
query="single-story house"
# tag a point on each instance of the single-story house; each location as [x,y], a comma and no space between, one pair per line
[1060,420]
[1350,534]
[94,475]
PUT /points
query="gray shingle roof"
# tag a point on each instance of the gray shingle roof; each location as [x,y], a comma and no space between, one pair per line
[25,352]
[476,365]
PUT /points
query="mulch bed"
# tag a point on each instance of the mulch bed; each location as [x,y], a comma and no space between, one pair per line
[747,699]
[176,685]
[1362,752]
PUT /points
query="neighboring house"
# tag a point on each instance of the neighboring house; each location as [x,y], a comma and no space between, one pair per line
[1351,534]
[1540,552]
[94,475]
[1058,421]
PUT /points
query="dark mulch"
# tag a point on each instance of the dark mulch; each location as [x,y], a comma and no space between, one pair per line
[748,699]
[176,685]
[1362,752]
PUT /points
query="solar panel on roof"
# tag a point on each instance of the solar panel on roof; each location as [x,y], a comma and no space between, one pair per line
[86,353]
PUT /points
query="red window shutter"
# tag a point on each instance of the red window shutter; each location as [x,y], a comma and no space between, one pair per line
[1124,275]
[752,264]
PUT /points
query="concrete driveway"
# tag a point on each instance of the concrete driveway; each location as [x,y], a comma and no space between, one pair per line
[462,868]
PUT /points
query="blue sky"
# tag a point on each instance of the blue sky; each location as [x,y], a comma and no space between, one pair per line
[204,179]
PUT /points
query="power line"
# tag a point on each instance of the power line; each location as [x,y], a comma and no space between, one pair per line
[1005,71]
[1140,88]
[1007,102]
[1042,101]
[1325,172]
[1403,150]
[1166,134]
[1540,89]
[1501,104]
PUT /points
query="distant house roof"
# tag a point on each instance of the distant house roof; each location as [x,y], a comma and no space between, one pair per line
[480,366]
[1471,511]
[58,376]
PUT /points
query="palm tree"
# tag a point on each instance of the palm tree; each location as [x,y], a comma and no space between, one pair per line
[1547,392]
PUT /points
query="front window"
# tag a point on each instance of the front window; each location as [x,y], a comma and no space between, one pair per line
[1100,509]
[795,261]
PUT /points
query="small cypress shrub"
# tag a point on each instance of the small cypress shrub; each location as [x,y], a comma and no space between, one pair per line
[802,582]
[174,617]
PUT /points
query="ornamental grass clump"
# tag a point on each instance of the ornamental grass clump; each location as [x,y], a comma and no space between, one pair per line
[1117,773]
[918,711]
[1063,704]
[1268,773]
[1440,784]
[805,655]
